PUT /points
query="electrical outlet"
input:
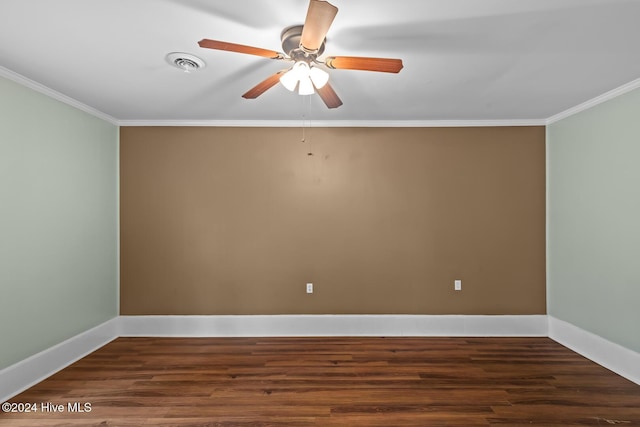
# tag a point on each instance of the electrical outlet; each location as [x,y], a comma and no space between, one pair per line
[309,288]
[457,285]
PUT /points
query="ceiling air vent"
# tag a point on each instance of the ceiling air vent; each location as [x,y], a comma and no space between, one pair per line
[185,61]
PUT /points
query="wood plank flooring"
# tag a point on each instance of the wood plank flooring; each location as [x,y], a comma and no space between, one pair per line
[333,382]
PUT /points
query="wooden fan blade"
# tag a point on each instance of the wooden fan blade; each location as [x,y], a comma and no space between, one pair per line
[264,85]
[319,18]
[385,65]
[240,48]
[329,96]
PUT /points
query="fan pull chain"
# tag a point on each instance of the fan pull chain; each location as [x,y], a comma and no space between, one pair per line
[310,152]
[306,109]
[303,117]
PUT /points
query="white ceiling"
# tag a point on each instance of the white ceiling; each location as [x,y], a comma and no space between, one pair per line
[463,59]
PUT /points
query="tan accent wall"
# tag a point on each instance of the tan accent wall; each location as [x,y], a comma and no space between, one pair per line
[381,220]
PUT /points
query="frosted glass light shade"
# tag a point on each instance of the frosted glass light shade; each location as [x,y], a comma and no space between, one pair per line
[319,77]
[289,80]
[305,87]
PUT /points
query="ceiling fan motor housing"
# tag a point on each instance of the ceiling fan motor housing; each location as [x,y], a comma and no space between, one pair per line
[290,38]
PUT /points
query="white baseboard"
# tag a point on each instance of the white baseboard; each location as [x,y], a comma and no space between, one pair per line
[28,372]
[333,325]
[612,356]
[16,378]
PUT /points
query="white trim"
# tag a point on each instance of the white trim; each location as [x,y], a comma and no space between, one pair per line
[619,359]
[22,375]
[337,123]
[18,78]
[117,213]
[621,90]
[333,325]
[547,216]
[28,372]
[38,87]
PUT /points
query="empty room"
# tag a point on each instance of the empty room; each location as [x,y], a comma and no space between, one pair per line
[319,213]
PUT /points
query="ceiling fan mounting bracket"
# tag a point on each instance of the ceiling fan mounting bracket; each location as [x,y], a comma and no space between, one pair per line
[290,38]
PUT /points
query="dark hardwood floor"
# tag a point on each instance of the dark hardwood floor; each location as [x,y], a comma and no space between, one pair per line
[332,382]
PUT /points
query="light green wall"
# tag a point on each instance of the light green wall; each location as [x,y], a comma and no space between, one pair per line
[594,220]
[58,222]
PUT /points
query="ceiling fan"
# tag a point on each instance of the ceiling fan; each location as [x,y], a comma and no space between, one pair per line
[303,44]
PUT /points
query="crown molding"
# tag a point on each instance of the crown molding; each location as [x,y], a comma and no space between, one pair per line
[621,90]
[336,123]
[20,79]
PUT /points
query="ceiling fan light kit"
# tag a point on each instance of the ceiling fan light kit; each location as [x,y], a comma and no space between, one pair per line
[303,44]
[305,78]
